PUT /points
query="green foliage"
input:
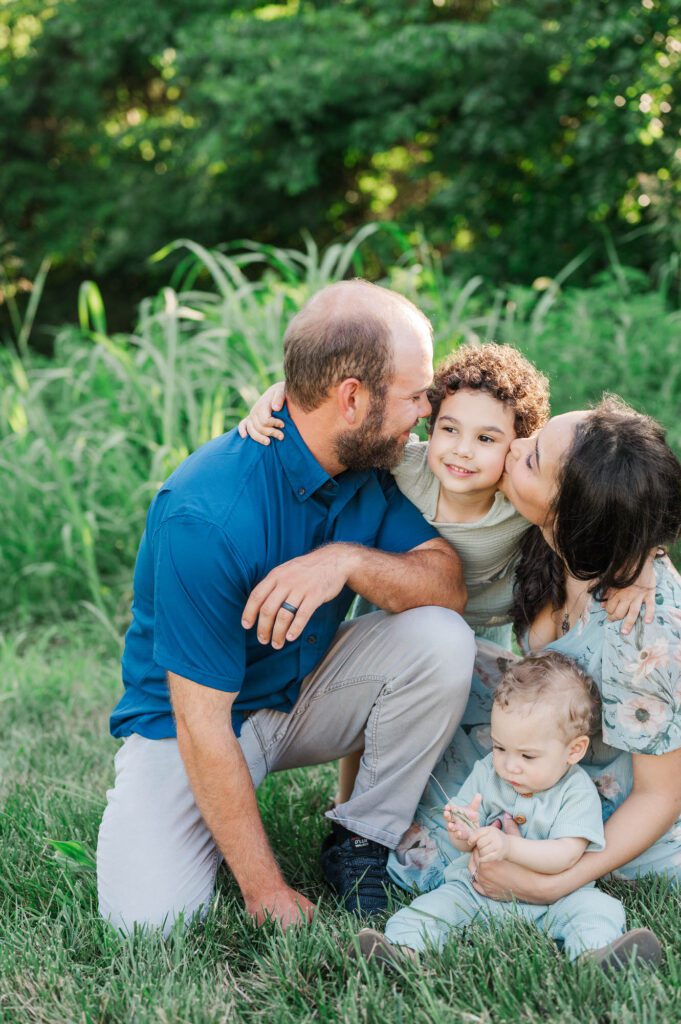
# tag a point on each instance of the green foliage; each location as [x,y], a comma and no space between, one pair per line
[87,437]
[74,853]
[514,134]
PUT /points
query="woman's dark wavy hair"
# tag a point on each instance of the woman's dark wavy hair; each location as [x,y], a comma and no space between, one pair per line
[618,497]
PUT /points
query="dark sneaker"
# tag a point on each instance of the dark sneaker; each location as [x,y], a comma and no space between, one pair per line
[375,947]
[639,946]
[356,868]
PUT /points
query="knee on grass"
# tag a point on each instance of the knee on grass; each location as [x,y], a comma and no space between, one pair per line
[151,917]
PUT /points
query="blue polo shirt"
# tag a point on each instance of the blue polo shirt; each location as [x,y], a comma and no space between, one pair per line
[229,514]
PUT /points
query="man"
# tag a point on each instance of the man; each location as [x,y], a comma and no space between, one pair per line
[249,561]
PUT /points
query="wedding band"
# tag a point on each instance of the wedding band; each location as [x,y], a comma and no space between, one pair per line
[290,607]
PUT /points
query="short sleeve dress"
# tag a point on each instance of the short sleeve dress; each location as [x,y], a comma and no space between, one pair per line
[639,678]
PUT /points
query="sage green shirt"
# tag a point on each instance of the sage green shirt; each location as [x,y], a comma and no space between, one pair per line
[487,548]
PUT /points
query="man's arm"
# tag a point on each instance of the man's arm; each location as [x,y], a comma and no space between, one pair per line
[224,793]
[429,574]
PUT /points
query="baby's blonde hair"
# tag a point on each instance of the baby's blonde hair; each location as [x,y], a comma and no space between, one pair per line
[551,677]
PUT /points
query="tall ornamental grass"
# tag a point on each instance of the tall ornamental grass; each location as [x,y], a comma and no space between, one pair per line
[87,437]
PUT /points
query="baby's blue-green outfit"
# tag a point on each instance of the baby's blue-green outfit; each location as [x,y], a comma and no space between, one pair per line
[639,678]
[586,919]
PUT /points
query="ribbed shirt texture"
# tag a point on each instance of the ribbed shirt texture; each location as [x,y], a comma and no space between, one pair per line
[488,548]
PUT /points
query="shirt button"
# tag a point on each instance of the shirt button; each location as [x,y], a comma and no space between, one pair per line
[312,639]
[301,491]
[328,486]
[520,819]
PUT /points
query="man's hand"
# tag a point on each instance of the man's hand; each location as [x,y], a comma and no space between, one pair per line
[305,583]
[490,844]
[284,905]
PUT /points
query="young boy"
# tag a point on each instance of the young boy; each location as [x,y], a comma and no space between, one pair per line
[544,711]
[482,397]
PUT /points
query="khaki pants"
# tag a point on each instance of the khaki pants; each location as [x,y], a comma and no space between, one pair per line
[394,685]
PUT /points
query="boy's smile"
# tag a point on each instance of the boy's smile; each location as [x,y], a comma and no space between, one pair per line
[468,446]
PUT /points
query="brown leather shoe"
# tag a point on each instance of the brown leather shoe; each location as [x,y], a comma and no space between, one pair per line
[374,947]
[640,946]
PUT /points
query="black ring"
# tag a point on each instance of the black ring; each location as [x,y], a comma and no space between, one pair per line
[290,608]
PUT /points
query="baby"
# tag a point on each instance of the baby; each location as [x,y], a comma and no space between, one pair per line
[544,711]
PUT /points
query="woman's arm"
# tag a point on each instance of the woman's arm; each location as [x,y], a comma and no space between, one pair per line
[649,811]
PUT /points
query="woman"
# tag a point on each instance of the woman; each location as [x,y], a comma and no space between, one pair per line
[604,489]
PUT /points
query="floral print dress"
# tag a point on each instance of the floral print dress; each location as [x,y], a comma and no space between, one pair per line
[639,678]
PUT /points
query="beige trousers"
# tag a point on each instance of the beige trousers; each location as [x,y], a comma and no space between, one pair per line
[393,685]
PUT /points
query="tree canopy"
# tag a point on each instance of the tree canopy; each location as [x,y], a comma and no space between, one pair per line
[513,134]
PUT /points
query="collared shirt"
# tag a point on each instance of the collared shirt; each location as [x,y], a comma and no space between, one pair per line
[232,512]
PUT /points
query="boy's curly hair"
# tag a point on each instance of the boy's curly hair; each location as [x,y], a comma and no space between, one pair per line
[501,371]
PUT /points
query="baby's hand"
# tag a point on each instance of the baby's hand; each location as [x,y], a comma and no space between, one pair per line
[491,844]
[626,603]
[260,424]
[463,821]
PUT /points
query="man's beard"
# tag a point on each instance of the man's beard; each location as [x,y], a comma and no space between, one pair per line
[366,447]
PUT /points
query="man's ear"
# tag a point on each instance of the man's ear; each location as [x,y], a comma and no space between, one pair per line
[578,749]
[353,399]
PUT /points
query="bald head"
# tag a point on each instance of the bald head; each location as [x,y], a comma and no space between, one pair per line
[347,330]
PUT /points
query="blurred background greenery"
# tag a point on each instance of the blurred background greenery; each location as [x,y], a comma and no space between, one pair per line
[512,167]
[512,135]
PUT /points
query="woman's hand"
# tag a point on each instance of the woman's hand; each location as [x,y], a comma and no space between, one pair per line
[626,603]
[260,424]
[504,881]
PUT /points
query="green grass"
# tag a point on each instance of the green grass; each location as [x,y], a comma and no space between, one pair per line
[59,963]
[85,440]
[87,437]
